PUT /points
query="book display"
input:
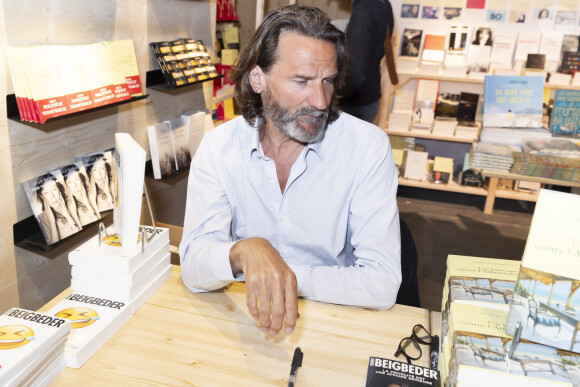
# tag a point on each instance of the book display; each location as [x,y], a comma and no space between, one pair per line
[183,61]
[56,80]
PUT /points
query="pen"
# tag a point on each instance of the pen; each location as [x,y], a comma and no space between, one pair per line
[296,362]
[435,352]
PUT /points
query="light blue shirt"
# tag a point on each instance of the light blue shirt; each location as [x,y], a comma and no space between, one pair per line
[336,224]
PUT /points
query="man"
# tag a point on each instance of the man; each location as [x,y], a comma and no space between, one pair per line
[294,198]
[365,34]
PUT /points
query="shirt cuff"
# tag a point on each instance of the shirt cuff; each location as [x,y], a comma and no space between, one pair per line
[220,262]
[302,273]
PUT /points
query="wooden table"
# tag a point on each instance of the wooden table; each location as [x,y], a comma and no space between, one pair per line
[493,192]
[209,339]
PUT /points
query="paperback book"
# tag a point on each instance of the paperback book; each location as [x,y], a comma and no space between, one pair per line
[101,173]
[82,196]
[162,153]
[385,372]
[565,118]
[545,300]
[180,143]
[513,101]
[411,43]
[28,340]
[52,206]
[194,123]
[93,321]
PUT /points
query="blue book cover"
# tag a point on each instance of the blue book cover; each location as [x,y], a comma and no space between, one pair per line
[566,112]
[513,101]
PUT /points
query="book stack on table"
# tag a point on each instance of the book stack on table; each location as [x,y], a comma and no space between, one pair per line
[31,347]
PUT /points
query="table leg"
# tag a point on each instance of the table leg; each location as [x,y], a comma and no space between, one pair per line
[490,199]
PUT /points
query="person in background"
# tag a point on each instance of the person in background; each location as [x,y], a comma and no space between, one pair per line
[365,35]
[294,197]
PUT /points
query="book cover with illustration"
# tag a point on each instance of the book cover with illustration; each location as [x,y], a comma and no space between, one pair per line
[53,206]
[546,301]
[433,48]
[385,372]
[93,321]
[565,118]
[513,101]
[83,196]
[480,346]
[180,143]
[101,173]
[411,43]
[27,340]
[110,255]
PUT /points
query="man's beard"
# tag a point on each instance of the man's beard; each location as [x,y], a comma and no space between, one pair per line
[289,122]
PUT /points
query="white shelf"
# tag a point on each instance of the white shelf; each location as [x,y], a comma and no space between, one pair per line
[429,136]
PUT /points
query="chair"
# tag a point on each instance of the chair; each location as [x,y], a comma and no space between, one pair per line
[478,291]
[409,291]
[540,316]
[486,354]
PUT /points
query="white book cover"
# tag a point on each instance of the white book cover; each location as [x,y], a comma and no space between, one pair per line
[101,172]
[93,321]
[130,173]
[478,58]
[444,127]
[125,51]
[102,287]
[180,143]
[503,48]
[528,43]
[111,256]
[161,147]
[50,359]
[44,81]
[129,278]
[74,77]
[101,80]
[151,289]
[26,339]
[194,126]
[403,101]
[82,195]
[415,165]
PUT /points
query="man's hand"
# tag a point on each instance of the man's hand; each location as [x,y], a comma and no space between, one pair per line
[271,284]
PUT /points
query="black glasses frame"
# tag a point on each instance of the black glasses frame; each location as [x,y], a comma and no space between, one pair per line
[414,340]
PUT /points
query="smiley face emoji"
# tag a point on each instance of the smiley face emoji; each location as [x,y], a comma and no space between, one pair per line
[14,336]
[79,317]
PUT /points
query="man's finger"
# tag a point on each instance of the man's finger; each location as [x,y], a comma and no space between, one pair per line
[291,307]
[278,308]
[252,302]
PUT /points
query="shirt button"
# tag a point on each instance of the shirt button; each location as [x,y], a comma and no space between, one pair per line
[283,218]
[271,181]
[285,252]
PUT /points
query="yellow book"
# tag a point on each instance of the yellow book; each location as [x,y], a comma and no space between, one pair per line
[126,54]
[74,77]
[115,68]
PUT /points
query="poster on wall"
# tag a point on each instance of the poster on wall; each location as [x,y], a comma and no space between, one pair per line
[410,9]
[452,9]
[566,13]
[475,4]
[431,9]
[496,11]
[519,11]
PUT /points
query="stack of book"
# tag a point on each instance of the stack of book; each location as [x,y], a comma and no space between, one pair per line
[56,80]
[31,347]
[492,156]
[105,269]
[507,322]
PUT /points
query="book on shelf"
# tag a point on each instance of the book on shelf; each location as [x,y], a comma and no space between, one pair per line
[467,106]
[410,50]
[399,159]
[565,119]
[545,296]
[425,100]
[528,43]
[74,77]
[493,156]
[101,172]
[513,101]
[108,254]
[130,172]
[468,130]
[93,320]
[115,68]
[559,79]
[456,55]
[162,153]
[51,205]
[83,197]
[31,347]
[194,122]
[442,170]
[415,165]
[551,46]
[385,372]
[433,54]
[125,50]
[100,78]
[503,48]
[43,80]
[447,105]
[179,143]
[571,44]
[478,60]
[535,62]
[21,93]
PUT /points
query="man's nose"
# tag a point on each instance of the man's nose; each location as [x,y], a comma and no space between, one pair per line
[318,97]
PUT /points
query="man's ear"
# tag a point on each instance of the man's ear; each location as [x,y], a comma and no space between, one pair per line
[257,79]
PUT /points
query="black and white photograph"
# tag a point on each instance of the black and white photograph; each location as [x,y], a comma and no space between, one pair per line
[411,45]
[82,194]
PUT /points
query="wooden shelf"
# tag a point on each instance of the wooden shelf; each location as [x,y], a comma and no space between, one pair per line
[535,179]
[443,78]
[14,115]
[452,186]
[429,136]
